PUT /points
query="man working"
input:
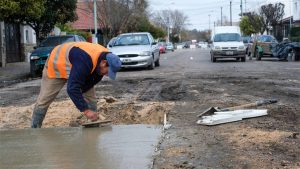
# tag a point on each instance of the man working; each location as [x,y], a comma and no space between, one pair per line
[82,65]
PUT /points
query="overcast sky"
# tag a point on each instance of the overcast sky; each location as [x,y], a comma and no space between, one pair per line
[198,11]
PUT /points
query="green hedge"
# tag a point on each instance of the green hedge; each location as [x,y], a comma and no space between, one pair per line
[295,34]
[295,39]
[295,31]
[69,30]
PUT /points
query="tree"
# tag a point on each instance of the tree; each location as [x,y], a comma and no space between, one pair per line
[246,27]
[114,15]
[272,14]
[256,22]
[142,24]
[41,15]
[20,11]
[170,18]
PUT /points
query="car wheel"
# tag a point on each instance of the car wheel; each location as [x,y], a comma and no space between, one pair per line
[213,59]
[249,54]
[243,59]
[152,65]
[258,55]
[157,62]
[237,59]
[33,72]
[291,56]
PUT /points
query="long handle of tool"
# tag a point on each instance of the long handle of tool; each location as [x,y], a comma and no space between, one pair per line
[249,105]
[256,104]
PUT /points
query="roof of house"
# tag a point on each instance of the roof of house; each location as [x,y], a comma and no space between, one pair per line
[85,15]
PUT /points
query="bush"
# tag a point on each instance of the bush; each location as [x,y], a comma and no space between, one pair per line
[69,30]
[295,39]
[294,36]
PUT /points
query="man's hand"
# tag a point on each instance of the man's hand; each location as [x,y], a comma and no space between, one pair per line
[93,116]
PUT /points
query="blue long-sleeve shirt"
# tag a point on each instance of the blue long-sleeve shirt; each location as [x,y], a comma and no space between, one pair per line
[80,78]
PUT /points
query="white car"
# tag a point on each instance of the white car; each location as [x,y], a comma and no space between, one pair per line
[136,50]
[227,43]
[203,45]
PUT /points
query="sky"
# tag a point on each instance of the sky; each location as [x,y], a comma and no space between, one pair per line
[198,11]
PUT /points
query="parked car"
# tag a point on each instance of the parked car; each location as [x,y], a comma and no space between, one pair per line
[261,46]
[170,46]
[179,45]
[111,42]
[136,50]
[203,45]
[41,53]
[162,47]
[227,43]
[246,41]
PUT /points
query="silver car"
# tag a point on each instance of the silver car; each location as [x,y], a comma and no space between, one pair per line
[136,50]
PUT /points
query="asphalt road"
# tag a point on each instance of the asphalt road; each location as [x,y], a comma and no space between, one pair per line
[185,84]
[187,61]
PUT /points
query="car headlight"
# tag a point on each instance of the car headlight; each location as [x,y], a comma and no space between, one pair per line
[241,47]
[217,47]
[34,57]
[145,53]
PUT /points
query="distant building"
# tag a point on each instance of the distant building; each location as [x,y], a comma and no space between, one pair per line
[291,15]
[85,19]
[16,42]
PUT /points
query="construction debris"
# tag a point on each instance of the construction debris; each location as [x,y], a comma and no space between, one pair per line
[249,105]
[231,116]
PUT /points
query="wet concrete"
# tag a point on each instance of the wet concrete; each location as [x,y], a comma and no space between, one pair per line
[109,147]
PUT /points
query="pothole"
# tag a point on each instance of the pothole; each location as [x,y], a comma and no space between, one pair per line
[60,113]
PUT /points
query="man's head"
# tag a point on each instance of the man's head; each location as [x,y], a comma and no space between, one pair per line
[110,66]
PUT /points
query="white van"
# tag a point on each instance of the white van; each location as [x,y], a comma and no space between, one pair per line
[227,43]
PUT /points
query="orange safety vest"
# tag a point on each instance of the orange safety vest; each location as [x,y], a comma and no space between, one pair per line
[58,63]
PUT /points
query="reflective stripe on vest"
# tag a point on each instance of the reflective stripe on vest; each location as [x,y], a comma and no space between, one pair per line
[58,63]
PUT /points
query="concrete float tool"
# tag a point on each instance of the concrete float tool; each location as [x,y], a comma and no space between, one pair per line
[96,123]
[87,123]
[211,110]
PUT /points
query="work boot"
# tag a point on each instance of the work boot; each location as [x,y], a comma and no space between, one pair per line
[38,116]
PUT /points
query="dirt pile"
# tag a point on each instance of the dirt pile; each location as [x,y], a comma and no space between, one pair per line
[60,113]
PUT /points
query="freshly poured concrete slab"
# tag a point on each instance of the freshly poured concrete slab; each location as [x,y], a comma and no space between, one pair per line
[110,147]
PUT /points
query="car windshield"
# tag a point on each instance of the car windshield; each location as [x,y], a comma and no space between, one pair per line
[225,37]
[111,42]
[54,41]
[267,39]
[246,39]
[139,39]
[169,44]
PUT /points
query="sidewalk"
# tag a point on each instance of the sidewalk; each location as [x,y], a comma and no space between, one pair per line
[15,71]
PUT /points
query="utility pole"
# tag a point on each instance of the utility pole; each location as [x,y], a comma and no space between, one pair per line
[95,40]
[168,39]
[245,6]
[221,16]
[230,13]
[209,22]
[241,8]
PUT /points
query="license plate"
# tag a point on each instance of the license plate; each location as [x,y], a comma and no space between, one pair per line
[126,60]
[229,53]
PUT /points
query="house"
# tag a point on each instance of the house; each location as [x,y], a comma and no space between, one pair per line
[85,19]
[291,15]
[16,42]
